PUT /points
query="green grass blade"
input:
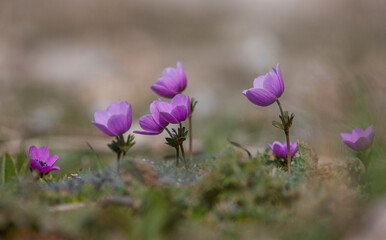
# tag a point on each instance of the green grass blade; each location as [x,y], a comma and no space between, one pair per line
[8,170]
[99,164]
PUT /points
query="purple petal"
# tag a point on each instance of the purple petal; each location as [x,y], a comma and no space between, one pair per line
[260,97]
[129,116]
[180,113]
[293,148]
[104,129]
[52,160]
[347,137]
[33,151]
[117,124]
[35,164]
[369,132]
[147,132]
[278,72]
[163,91]
[168,117]
[44,153]
[118,108]
[101,117]
[155,113]
[54,168]
[259,82]
[272,83]
[181,75]
[149,124]
[357,133]
[362,143]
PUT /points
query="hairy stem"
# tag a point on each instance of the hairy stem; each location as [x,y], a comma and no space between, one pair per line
[190,138]
[286,131]
[183,156]
[177,155]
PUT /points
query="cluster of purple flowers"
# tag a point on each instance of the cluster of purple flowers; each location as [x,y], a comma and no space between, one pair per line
[116,120]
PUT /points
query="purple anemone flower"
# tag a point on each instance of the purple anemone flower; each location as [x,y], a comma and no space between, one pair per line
[280,149]
[41,159]
[359,139]
[115,120]
[152,123]
[266,88]
[176,111]
[172,82]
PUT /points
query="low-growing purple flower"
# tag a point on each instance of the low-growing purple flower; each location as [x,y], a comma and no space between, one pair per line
[152,123]
[280,149]
[115,120]
[176,111]
[359,139]
[266,88]
[172,82]
[41,160]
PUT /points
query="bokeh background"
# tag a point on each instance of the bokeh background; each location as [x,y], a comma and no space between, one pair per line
[60,61]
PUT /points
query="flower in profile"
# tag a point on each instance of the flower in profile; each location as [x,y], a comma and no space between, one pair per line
[172,82]
[115,120]
[280,149]
[41,159]
[176,111]
[266,88]
[359,139]
[152,123]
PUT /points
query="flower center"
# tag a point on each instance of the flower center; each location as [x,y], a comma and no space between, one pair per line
[42,164]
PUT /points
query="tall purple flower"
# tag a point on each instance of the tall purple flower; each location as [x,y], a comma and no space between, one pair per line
[41,159]
[115,120]
[280,149]
[176,111]
[266,88]
[172,82]
[359,139]
[152,123]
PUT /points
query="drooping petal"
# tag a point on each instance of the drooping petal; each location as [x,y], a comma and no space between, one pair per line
[148,123]
[44,153]
[54,168]
[104,129]
[260,97]
[101,117]
[117,124]
[163,91]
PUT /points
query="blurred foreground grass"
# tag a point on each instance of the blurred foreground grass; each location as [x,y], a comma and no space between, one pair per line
[223,196]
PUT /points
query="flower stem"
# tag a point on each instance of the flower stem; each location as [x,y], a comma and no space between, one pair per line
[190,138]
[183,156]
[177,155]
[118,161]
[167,130]
[286,131]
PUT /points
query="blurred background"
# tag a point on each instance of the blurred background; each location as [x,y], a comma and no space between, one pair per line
[60,61]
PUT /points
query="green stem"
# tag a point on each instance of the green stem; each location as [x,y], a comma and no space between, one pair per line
[177,155]
[118,161]
[183,156]
[286,131]
[167,130]
[190,138]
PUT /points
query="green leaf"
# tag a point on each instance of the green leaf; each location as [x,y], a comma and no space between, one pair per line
[20,160]
[8,168]
[241,147]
